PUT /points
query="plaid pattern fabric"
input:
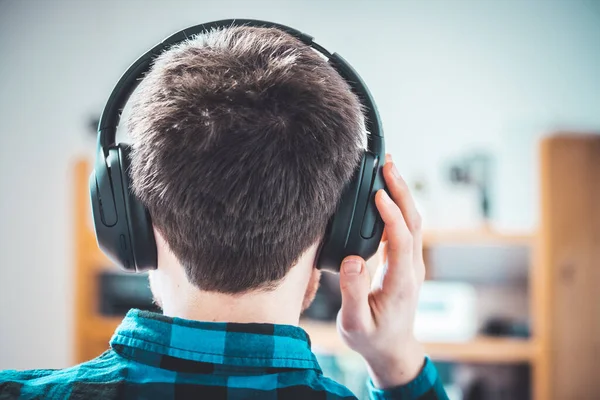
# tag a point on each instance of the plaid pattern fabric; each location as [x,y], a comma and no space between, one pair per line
[157,357]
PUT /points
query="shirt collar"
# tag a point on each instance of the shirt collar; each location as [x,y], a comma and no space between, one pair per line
[150,337]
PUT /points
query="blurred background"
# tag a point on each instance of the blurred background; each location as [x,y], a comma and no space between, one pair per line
[489,108]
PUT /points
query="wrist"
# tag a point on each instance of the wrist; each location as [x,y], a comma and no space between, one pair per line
[396,368]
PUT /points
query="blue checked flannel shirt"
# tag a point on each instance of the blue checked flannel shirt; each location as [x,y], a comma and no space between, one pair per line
[157,357]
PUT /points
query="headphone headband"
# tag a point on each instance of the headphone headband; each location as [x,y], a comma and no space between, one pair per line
[109,121]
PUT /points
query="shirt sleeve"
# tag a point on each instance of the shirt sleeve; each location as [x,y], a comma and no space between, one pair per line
[426,386]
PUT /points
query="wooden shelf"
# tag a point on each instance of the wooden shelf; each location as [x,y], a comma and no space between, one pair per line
[482,349]
[477,237]
[485,349]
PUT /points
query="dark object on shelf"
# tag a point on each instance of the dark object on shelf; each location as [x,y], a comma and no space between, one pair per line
[494,382]
[93,125]
[505,327]
[475,170]
[119,292]
[476,390]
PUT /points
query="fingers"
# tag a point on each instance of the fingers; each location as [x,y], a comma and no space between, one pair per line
[355,314]
[401,195]
[399,245]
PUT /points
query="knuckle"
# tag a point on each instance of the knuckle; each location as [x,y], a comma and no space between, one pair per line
[403,243]
[352,326]
[345,285]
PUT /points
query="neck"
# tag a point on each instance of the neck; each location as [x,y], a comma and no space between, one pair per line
[274,307]
[281,305]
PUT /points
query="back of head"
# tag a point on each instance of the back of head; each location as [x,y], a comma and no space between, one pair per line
[243,141]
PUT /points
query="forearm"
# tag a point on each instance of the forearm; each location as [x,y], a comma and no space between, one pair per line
[398,367]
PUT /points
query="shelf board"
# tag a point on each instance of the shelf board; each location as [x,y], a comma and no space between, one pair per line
[476,237]
[485,349]
[481,349]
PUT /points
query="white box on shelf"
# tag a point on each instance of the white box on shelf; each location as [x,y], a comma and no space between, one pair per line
[446,312]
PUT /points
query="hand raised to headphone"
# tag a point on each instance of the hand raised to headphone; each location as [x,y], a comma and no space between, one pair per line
[377,316]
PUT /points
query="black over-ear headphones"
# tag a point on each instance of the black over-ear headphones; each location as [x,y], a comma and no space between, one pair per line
[122,223]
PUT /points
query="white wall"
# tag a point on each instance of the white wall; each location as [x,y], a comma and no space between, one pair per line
[448,76]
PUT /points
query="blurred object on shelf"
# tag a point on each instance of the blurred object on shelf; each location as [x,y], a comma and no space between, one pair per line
[501,326]
[475,170]
[119,292]
[446,312]
[493,382]
[93,125]
[499,272]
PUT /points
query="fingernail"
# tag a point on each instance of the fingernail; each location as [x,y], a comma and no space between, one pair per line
[352,266]
[395,172]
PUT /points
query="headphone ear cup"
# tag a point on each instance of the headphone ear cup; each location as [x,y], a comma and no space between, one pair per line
[139,222]
[356,227]
[109,211]
[122,225]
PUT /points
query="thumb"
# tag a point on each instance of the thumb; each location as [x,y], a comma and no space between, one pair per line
[355,315]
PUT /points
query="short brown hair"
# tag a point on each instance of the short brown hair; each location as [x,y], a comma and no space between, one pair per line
[243,141]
